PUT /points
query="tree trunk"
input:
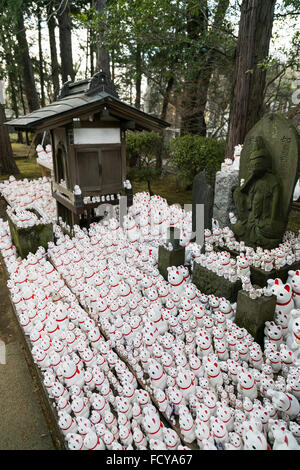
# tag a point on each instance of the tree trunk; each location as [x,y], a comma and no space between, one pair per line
[166,98]
[196,95]
[25,62]
[193,119]
[113,66]
[249,81]
[103,61]
[92,66]
[196,25]
[53,52]
[163,116]
[86,74]
[14,102]
[41,61]
[92,44]
[7,162]
[13,78]
[65,41]
[138,77]
[20,86]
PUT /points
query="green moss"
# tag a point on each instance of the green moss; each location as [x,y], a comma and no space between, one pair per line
[28,169]
[209,283]
[30,239]
[23,150]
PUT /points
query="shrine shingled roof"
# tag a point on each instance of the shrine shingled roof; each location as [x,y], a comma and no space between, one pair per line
[81,98]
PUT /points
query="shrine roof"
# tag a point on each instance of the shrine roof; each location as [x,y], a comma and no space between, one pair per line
[83,98]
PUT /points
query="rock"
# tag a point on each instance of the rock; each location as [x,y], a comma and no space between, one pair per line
[252,314]
[209,282]
[167,258]
[223,203]
[267,177]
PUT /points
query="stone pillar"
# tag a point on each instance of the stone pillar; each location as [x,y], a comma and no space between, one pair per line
[253,314]
[223,202]
[129,195]
[260,277]
[174,257]
[202,194]
[208,282]
[167,258]
[28,240]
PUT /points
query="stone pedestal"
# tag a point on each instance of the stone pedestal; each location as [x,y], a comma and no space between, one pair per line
[28,240]
[252,314]
[223,202]
[129,195]
[167,258]
[209,282]
[260,277]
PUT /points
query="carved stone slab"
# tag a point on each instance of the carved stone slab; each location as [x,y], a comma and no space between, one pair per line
[282,142]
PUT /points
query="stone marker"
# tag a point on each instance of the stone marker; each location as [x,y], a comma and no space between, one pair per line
[226,181]
[252,314]
[175,257]
[268,171]
[28,240]
[208,282]
[202,194]
[259,276]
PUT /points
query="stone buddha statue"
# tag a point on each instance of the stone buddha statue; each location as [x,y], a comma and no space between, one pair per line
[257,201]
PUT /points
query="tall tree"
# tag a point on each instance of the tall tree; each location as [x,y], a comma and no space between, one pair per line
[103,60]
[11,71]
[65,40]
[25,61]
[255,33]
[53,49]
[203,42]
[91,40]
[12,76]
[7,161]
[138,76]
[41,58]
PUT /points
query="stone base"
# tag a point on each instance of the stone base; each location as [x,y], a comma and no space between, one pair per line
[167,258]
[209,282]
[252,314]
[28,240]
[259,276]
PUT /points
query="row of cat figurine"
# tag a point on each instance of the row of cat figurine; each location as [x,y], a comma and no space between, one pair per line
[24,218]
[287,253]
[23,193]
